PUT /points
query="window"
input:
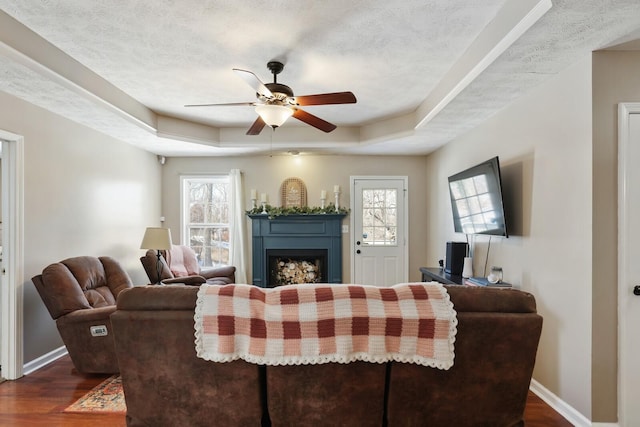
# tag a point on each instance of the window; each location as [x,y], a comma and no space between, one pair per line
[205,218]
[379,217]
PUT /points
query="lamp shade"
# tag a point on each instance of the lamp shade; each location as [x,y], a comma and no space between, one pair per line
[274,115]
[156,238]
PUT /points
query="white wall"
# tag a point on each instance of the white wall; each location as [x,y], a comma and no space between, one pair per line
[544,144]
[85,194]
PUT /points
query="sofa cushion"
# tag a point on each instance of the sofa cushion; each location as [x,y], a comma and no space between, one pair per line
[60,291]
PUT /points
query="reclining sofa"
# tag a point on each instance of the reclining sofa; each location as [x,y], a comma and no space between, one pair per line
[165,383]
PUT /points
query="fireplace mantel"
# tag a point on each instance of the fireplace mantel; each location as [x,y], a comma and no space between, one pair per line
[312,231]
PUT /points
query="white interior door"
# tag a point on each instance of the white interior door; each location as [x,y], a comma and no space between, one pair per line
[379,238]
[11,325]
[628,266]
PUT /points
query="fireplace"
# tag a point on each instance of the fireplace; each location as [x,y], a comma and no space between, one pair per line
[312,243]
[292,267]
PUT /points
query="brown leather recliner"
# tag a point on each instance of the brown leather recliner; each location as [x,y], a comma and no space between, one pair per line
[80,294]
[180,265]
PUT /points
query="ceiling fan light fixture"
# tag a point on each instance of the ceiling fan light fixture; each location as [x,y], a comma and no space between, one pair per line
[274,115]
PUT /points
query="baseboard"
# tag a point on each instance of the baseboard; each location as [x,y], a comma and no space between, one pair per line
[561,407]
[44,360]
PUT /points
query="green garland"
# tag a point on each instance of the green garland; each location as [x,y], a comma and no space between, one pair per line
[274,211]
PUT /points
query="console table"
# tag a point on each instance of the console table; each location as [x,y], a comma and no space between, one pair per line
[438,274]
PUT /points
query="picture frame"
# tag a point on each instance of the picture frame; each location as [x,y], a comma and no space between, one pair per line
[293,193]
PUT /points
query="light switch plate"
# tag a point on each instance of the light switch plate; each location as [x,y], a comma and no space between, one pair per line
[345,228]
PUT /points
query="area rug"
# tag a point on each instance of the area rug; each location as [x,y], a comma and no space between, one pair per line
[106,397]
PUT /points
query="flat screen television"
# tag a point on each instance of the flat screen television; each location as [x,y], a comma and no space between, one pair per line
[476,200]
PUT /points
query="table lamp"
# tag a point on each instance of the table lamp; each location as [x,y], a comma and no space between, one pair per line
[157,238]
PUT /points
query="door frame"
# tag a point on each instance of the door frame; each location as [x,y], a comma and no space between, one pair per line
[624,364]
[352,201]
[11,291]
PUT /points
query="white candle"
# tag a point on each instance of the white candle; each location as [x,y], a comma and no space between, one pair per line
[323,194]
[336,188]
[254,194]
[263,197]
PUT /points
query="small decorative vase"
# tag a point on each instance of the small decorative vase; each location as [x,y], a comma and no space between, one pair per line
[467,268]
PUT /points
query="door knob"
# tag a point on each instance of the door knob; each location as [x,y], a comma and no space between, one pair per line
[358,251]
[636,290]
[358,243]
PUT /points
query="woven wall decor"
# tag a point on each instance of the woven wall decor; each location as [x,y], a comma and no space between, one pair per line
[293,193]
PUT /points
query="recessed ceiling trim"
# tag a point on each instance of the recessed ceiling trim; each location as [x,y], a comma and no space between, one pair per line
[183,130]
[393,128]
[511,22]
[295,136]
[25,47]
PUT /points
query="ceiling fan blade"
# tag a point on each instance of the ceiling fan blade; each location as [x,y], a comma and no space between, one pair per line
[253,81]
[228,104]
[314,121]
[326,98]
[256,127]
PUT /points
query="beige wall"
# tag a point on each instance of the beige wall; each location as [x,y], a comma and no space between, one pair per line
[265,174]
[85,194]
[615,80]
[544,144]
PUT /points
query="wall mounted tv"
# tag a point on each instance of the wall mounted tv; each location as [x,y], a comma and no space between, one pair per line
[476,199]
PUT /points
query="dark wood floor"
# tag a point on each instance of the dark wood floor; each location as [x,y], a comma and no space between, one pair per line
[39,399]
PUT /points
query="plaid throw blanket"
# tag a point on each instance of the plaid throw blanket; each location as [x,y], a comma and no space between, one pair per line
[321,323]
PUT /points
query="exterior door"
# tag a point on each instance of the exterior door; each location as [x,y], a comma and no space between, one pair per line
[379,223]
[628,266]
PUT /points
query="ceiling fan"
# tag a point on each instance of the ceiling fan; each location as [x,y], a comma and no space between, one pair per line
[276,102]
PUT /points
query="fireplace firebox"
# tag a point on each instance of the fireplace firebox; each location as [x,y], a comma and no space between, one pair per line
[306,245]
[293,267]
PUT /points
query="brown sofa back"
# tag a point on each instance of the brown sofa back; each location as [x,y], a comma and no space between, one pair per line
[495,352]
[166,384]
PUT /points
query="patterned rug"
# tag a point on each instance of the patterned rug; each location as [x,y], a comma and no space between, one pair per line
[107,396]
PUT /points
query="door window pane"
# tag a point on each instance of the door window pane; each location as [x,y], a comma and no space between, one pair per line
[379,217]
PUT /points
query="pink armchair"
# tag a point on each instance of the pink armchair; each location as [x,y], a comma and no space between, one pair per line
[180,265]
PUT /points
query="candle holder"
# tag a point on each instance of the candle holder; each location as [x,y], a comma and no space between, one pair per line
[322,202]
[254,198]
[337,194]
[264,208]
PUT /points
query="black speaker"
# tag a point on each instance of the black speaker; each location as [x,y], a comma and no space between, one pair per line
[456,251]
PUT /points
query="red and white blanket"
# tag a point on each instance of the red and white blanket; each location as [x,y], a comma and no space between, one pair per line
[321,323]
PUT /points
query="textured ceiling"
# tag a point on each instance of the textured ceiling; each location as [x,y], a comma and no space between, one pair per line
[423,71]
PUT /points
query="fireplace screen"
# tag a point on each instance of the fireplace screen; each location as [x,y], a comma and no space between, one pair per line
[292,267]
